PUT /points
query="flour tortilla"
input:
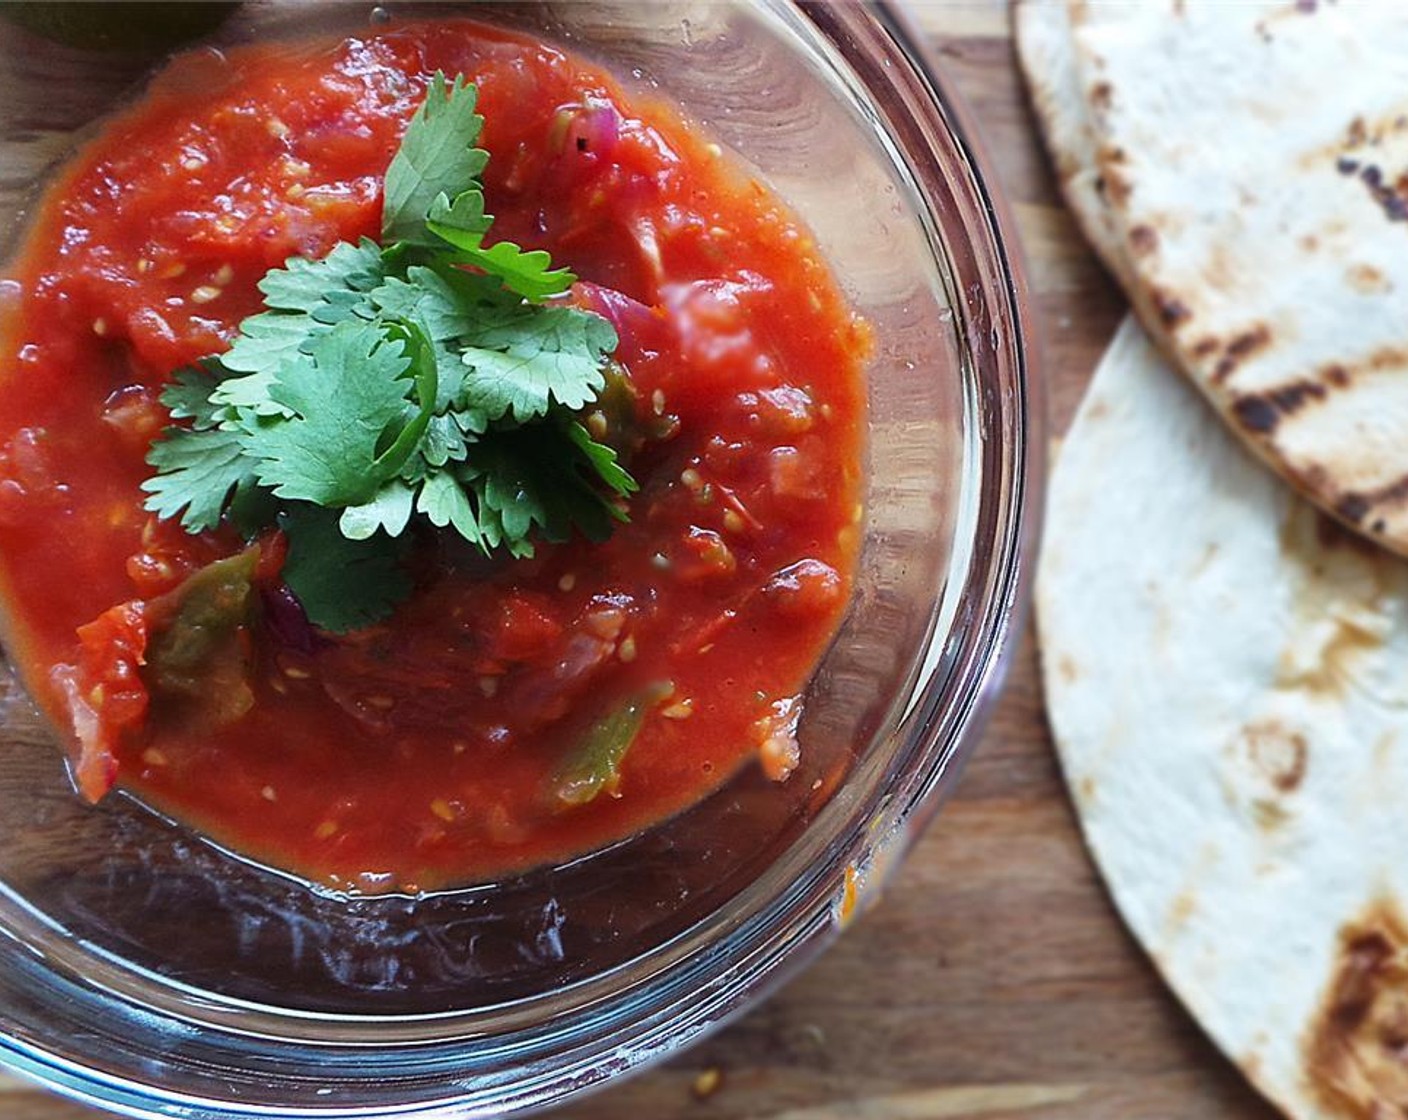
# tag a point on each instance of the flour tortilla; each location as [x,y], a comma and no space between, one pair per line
[1226,672]
[1253,160]
[1046,51]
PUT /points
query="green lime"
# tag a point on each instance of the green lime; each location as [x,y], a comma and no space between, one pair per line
[121,26]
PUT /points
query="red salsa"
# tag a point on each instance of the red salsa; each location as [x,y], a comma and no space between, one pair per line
[445,744]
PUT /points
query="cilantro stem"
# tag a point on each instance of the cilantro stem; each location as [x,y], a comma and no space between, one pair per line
[422,356]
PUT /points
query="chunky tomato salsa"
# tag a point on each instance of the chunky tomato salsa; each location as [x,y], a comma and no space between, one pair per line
[511,709]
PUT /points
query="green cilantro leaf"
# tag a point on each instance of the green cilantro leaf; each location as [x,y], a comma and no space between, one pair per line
[602,460]
[463,222]
[446,306]
[201,468]
[389,510]
[187,395]
[305,300]
[445,504]
[341,402]
[523,360]
[535,480]
[199,472]
[342,584]
[437,156]
[324,289]
[529,273]
[444,442]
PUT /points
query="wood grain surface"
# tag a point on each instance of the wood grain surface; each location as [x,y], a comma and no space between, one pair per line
[994,980]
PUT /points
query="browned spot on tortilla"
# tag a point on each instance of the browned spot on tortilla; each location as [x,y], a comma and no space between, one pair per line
[1101,95]
[1261,412]
[1352,507]
[1358,133]
[1277,754]
[1355,1054]
[1335,375]
[1385,357]
[1391,197]
[1240,348]
[1173,312]
[1205,347]
[1143,240]
[1290,398]
[1256,414]
[1066,669]
[1367,280]
[1310,243]
[1085,791]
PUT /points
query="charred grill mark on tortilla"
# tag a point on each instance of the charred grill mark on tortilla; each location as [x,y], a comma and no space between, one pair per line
[1353,1054]
[1354,509]
[1172,311]
[1257,414]
[1261,412]
[1360,142]
[1355,506]
[1241,347]
[1391,197]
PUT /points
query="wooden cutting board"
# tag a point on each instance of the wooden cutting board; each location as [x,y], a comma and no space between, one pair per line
[994,980]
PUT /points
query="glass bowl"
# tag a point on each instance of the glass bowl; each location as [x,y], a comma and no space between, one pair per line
[144,971]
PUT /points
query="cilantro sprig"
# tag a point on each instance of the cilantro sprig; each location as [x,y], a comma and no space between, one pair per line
[426,378]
